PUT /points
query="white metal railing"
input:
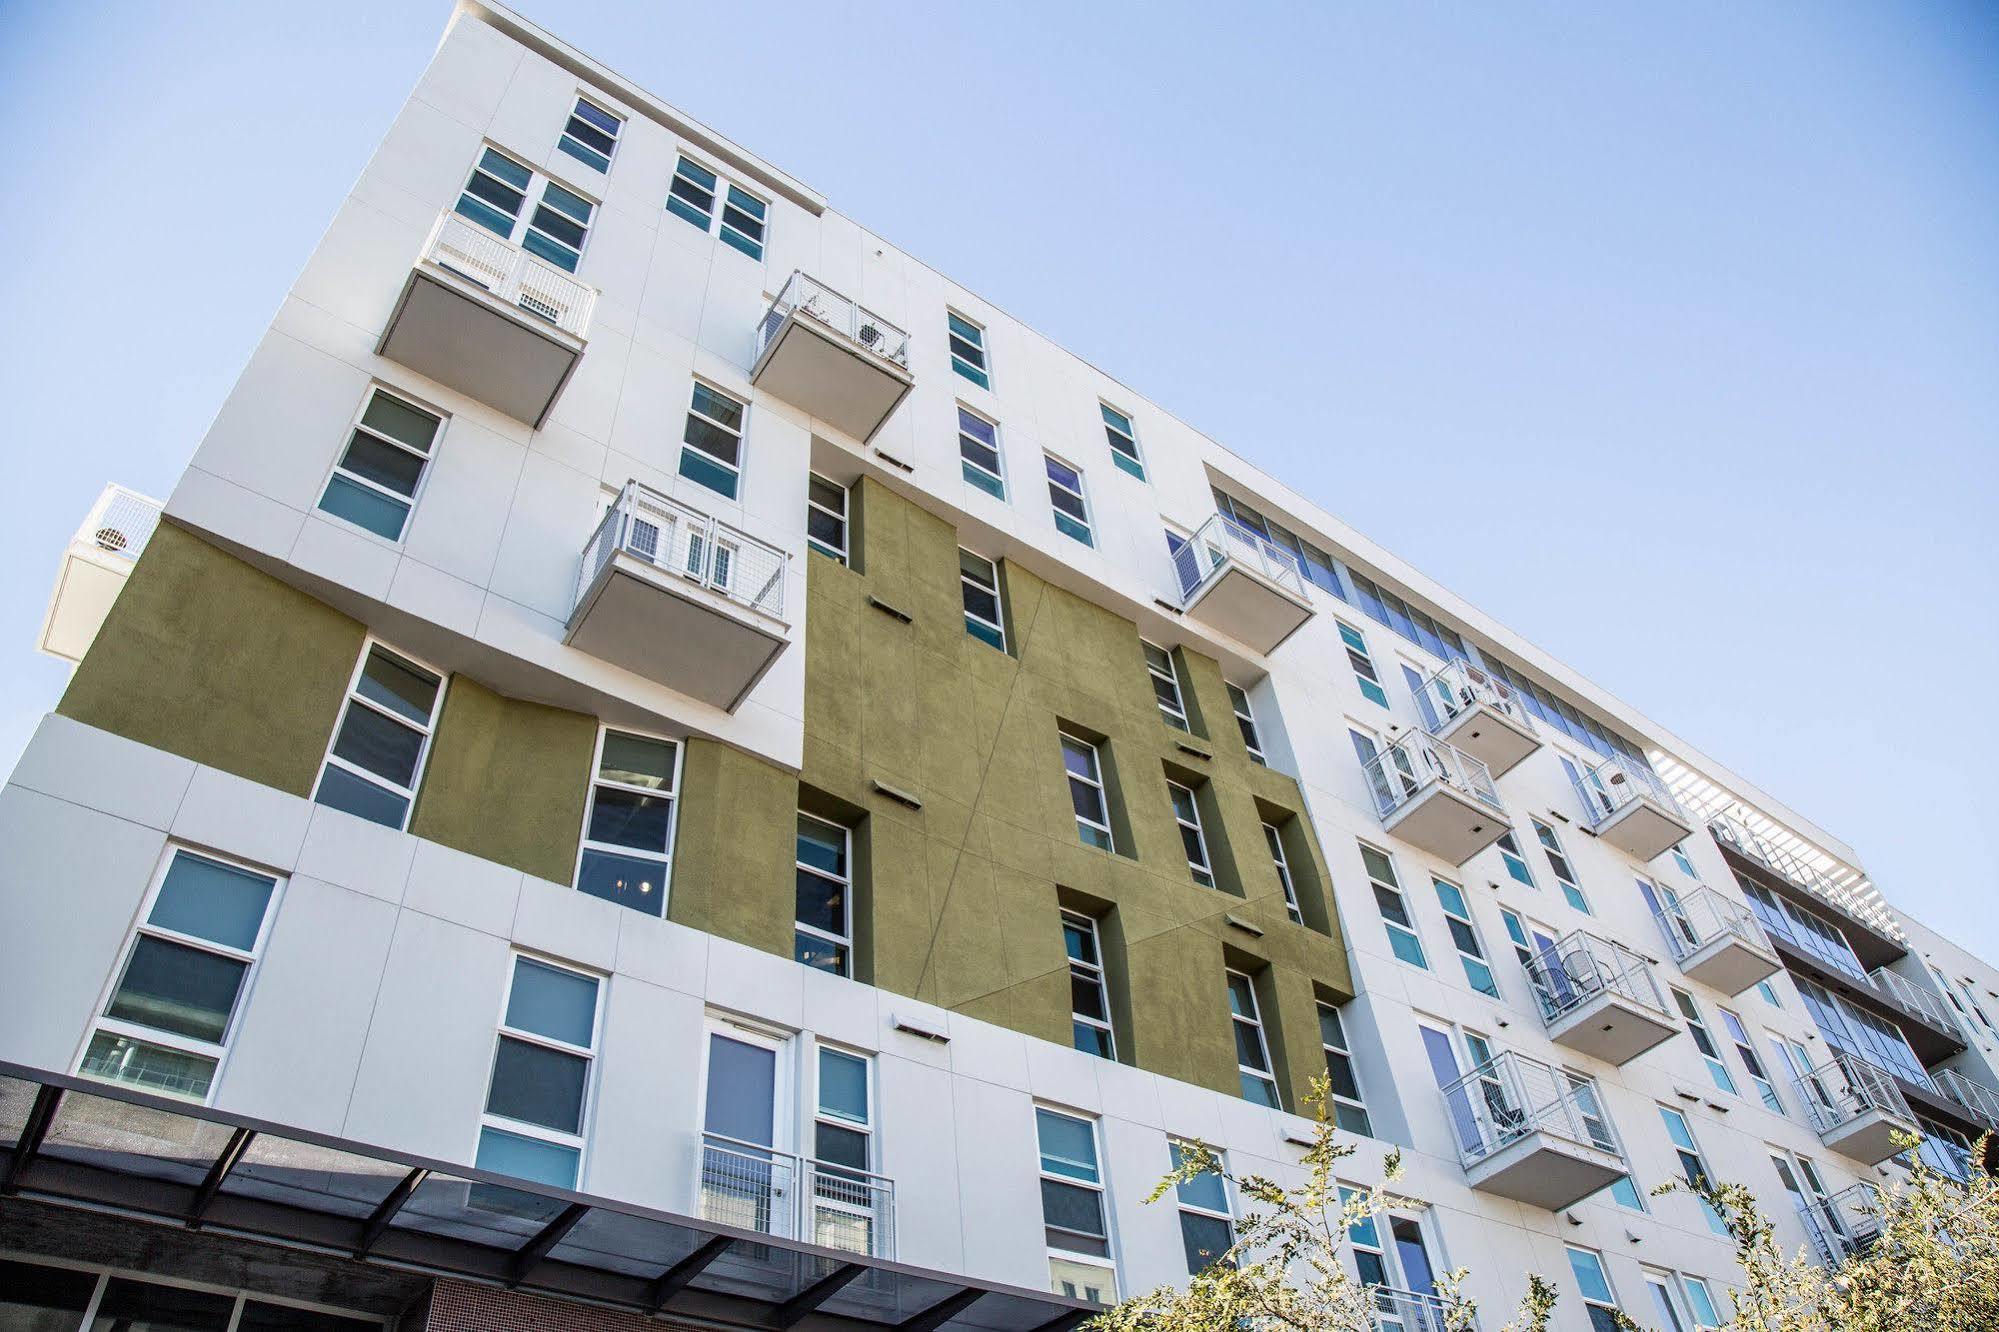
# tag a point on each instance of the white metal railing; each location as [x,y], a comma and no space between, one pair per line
[1702,917]
[1510,1096]
[807,296]
[681,540]
[1843,1225]
[1580,966]
[1976,1097]
[1404,768]
[121,522]
[1458,687]
[511,273]
[1412,1311]
[1734,833]
[1915,999]
[1616,782]
[779,1193]
[1222,543]
[1846,1087]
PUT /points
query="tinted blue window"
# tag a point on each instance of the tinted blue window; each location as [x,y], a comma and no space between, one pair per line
[547,1001]
[527,1158]
[365,508]
[212,901]
[342,790]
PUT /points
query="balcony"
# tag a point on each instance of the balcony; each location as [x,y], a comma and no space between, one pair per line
[1856,1108]
[490,320]
[1912,999]
[672,594]
[1529,1133]
[1872,937]
[1630,808]
[1599,997]
[1414,1311]
[94,568]
[830,358]
[1480,714]
[1981,1101]
[792,1197]
[1435,796]
[1844,1225]
[1717,941]
[1242,584]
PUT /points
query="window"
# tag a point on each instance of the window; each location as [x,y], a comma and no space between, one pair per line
[376,760]
[1516,864]
[1686,865]
[968,349]
[978,580]
[1349,1107]
[533,1125]
[1746,1050]
[1394,911]
[1252,1054]
[978,453]
[1700,1303]
[844,1201]
[1165,684]
[1558,861]
[374,484]
[1704,1042]
[45,1297]
[1123,440]
[826,517]
[1086,792]
[1769,994]
[1207,1227]
[1275,841]
[692,198]
[627,851]
[167,1022]
[1659,1286]
[1187,813]
[746,1112]
[1691,1163]
[591,135]
[1516,933]
[1065,498]
[1457,915]
[712,442]
[1859,1032]
[1598,1301]
[825,934]
[1089,998]
[496,198]
[1072,1208]
[1363,665]
[1245,721]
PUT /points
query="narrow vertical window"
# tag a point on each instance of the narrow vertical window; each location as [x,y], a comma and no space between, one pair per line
[627,852]
[743,218]
[691,197]
[167,1024]
[1659,1287]
[1686,865]
[375,763]
[1364,1239]
[978,583]
[1089,998]
[1558,861]
[1165,684]
[1700,1302]
[1086,792]
[1516,864]
[849,1206]
[711,451]
[1752,1063]
[1123,440]
[1075,1222]
[591,135]
[1275,841]
[1703,1042]
[826,517]
[1394,911]
[374,484]
[1769,993]
[1692,1165]
[533,1125]
[1598,1300]
[1066,500]
[1349,1106]
[1464,934]
[1187,813]
[1364,673]
[825,919]
[1207,1227]
[1245,720]
[978,453]
[968,349]
[1252,1052]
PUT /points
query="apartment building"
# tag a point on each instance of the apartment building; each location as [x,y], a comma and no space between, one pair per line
[665,762]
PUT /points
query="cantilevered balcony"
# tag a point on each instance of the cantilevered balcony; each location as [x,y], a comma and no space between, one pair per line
[1630,808]
[1435,796]
[1599,997]
[94,568]
[777,1193]
[1844,1225]
[1856,1108]
[1913,999]
[489,319]
[672,594]
[1531,1133]
[1480,714]
[1981,1101]
[1716,941]
[1871,932]
[831,358]
[1245,585]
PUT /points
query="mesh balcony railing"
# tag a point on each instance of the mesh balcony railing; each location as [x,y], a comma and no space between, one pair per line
[1222,543]
[1581,966]
[1846,1087]
[1616,782]
[511,274]
[120,523]
[807,296]
[1701,918]
[1458,687]
[1405,768]
[778,1193]
[1411,1311]
[1976,1097]
[681,540]
[1915,1000]
[1511,1096]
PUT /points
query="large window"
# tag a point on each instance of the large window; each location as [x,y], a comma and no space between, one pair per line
[1252,1051]
[1349,1107]
[1394,910]
[1086,792]
[375,764]
[627,853]
[166,1024]
[54,1296]
[374,484]
[1245,720]
[1703,1041]
[1859,1032]
[1364,673]
[985,611]
[1067,501]
[1123,440]
[711,451]
[826,517]
[825,933]
[1692,1164]
[1090,1027]
[1752,1062]
[1073,1216]
[591,136]
[1275,841]
[1165,684]
[1187,814]
[1464,934]
[497,195]
[1207,1227]
[534,1123]
[968,349]
[1599,1302]
[739,221]
[979,453]
[1558,861]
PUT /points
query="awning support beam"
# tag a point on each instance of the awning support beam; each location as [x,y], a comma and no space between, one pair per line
[674,1279]
[40,1115]
[805,1301]
[211,1184]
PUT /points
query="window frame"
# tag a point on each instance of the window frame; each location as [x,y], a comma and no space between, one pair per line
[534,196]
[1752,1061]
[1203,869]
[1515,860]
[1365,673]
[1127,460]
[1691,1149]
[969,470]
[1593,1303]
[1560,866]
[1174,712]
[1463,928]
[502,1031]
[818,1201]
[1253,1021]
[1245,720]
[1403,921]
[340,471]
[714,222]
[1273,837]
[586,844]
[428,730]
[1092,973]
[966,581]
[1094,781]
[1098,1185]
[1344,1052]
[845,883]
[978,372]
[1183,1208]
[813,505]
[1703,1038]
[740,433]
[565,139]
[1087,522]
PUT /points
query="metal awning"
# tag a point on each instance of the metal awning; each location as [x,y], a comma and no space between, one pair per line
[74,1142]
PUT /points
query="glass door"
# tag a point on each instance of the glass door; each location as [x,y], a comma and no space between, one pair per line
[745,1180]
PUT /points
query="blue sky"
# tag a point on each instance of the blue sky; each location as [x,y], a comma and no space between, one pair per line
[1667,334]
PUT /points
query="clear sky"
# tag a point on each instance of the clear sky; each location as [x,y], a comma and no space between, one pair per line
[1668,334]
